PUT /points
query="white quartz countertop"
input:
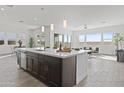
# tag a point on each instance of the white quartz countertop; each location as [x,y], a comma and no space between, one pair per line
[52,52]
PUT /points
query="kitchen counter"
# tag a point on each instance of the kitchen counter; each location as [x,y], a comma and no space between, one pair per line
[63,69]
[53,52]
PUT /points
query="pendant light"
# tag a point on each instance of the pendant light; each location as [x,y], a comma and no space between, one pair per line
[52,27]
[65,23]
[42,28]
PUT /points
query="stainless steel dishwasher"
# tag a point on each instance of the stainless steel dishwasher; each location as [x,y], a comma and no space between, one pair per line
[23,60]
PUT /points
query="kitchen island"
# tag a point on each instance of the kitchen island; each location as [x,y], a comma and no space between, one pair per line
[54,68]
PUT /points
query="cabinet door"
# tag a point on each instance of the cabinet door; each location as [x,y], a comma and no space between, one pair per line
[29,64]
[54,71]
[43,68]
[34,66]
[18,54]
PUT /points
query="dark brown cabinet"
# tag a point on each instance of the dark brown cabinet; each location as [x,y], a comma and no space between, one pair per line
[51,70]
[46,68]
[35,66]
[29,64]
[54,71]
[43,69]
[32,64]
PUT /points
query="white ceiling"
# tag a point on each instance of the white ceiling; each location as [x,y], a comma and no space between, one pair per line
[77,16]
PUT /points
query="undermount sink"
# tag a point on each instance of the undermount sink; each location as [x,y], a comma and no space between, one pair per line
[39,50]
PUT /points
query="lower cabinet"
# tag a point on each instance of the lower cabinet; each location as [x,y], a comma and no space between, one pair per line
[43,69]
[46,68]
[54,71]
[32,65]
[29,63]
[35,66]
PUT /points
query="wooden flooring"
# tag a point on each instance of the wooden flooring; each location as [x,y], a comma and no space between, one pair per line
[103,71]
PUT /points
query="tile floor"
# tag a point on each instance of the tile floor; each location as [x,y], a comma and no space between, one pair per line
[103,71]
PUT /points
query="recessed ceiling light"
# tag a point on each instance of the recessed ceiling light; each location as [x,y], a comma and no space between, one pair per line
[42,9]
[52,27]
[35,19]
[2,9]
[103,22]
[42,28]
[65,23]
[20,21]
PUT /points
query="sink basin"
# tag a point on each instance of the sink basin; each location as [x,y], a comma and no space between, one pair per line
[39,50]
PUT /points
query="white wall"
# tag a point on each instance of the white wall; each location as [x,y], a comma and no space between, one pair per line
[104,48]
[12,28]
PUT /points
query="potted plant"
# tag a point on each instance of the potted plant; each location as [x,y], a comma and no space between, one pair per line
[31,42]
[118,41]
[20,43]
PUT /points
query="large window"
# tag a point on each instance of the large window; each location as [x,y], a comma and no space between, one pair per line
[11,38]
[65,38]
[60,38]
[93,38]
[107,37]
[81,38]
[2,38]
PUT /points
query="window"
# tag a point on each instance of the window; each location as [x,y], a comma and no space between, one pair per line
[1,42]
[81,38]
[60,38]
[93,37]
[65,38]
[11,38]
[2,35]
[107,37]
[2,38]
[11,42]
